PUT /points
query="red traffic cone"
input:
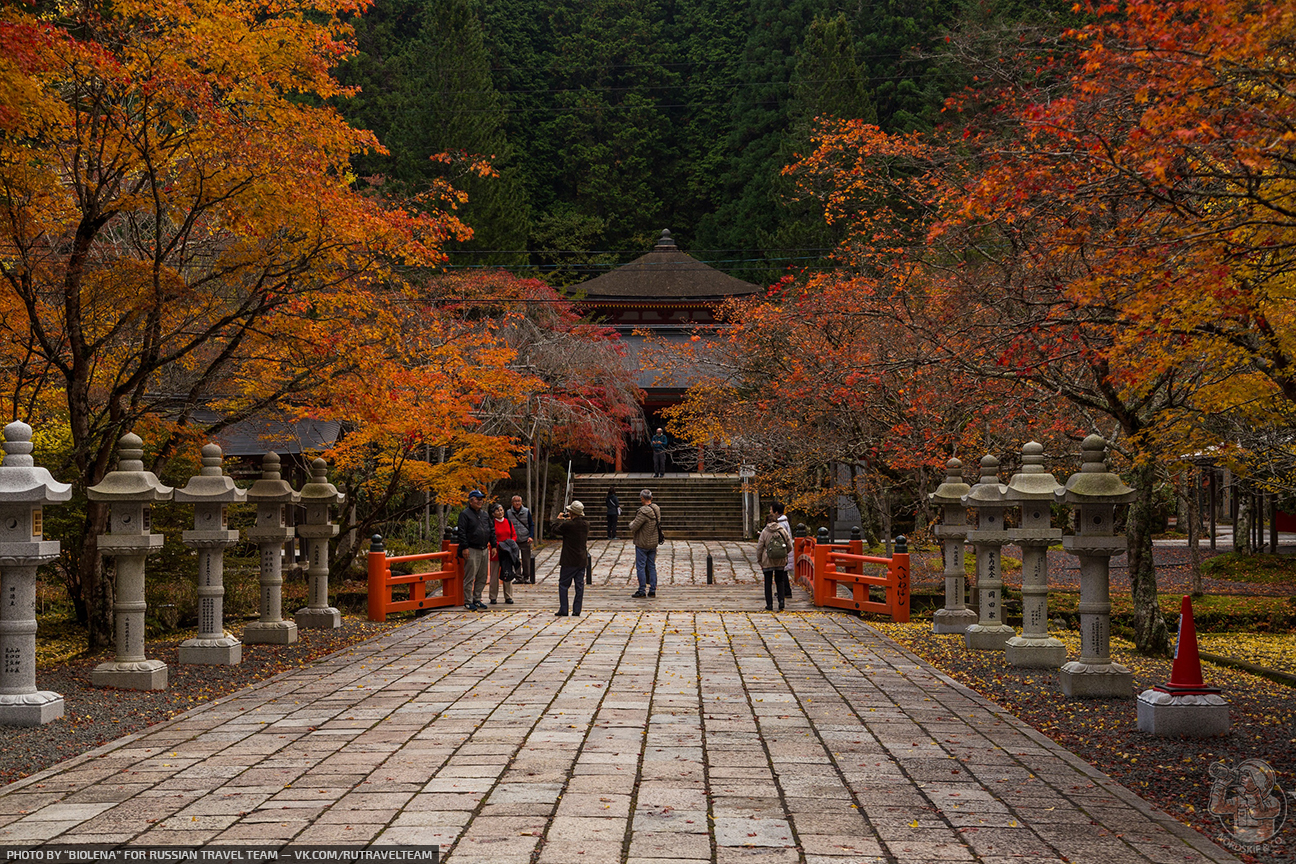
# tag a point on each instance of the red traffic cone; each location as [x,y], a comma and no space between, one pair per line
[1186,676]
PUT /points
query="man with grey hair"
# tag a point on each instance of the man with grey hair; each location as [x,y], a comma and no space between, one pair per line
[645,529]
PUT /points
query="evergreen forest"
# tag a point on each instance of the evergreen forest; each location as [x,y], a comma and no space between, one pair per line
[606,120]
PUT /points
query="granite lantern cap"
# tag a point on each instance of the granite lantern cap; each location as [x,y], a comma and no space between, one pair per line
[22,481]
[130,482]
[1093,483]
[988,491]
[272,488]
[212,485]
[953,489]
[1033,483]
[319,490]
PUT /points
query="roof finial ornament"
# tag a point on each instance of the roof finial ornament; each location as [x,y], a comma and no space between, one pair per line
[665,239]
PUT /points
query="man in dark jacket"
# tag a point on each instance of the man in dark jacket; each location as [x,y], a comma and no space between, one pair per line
[659,445]
[476,538]
[574,531]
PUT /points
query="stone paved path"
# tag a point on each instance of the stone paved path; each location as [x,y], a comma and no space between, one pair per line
[628,736]
[679,562]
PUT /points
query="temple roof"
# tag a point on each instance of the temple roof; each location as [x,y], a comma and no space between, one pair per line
[665,272]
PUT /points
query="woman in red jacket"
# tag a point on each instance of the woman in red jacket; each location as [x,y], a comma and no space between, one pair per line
[504,556]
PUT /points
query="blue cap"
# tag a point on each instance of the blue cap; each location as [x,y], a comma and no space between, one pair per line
[476,493]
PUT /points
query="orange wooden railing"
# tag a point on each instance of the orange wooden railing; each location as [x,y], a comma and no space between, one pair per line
[381,581]
[821,567]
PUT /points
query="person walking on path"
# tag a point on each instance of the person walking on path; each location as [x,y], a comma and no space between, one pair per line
[505,556]
[772,550]
[645,529]
[659,444]
[777,508]
[476,539]
[524,527]
[574,531]
[613,512]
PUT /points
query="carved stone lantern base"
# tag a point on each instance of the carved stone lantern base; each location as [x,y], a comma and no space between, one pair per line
[30,709]
[1194,715]
[1096,681]
[953,620]
[327,618]
[226,651]
[1035,652]
[130,675]
[270,633]
[987,637]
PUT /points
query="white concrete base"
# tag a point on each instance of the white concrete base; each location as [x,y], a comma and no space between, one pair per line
[952,620]
[142,675]
[30,709]
[1035,652]
[318,619]
[993,637]
[226,651]
[1194,715]
[1082,681]
[270,633]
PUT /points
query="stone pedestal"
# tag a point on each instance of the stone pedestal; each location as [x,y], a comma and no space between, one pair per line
[1035,489]
[272,495]
[1192,715]
[211,492]
[317,496]
[1095,492]
[24,490]
[988,496]
[129,492]
[955,617]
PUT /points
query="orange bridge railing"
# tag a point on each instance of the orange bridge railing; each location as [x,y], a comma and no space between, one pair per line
[381,580]
[823,568]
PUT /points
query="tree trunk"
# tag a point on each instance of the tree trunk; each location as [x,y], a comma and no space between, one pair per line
[1242,524]
[1194,531]
[1151,636]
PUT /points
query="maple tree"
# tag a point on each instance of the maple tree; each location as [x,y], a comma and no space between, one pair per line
[179,222]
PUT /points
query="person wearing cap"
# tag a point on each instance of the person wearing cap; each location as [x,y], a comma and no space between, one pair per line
[645,529]
[574,531]
[476,539]
[659,444]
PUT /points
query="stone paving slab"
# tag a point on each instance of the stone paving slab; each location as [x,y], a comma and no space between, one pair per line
[619,736]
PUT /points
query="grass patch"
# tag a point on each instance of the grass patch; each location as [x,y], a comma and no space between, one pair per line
[1254,569]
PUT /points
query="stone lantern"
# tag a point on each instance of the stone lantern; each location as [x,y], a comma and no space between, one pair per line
[130,492]
[953,527]
[211,492]
[271,495]
[1095,492]
[317,496]
[990,498]
[24,489]
[1035,490]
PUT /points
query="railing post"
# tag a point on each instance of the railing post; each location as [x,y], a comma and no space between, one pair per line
[856,541]
[819,549]
[710,570]
[898,594]
[377,565]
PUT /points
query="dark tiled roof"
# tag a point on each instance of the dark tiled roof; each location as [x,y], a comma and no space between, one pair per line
[665,272]
[260,435]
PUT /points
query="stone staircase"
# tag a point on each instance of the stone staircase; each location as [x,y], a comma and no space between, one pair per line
[694,506]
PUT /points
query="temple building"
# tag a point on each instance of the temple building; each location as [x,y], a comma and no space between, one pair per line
[665,292]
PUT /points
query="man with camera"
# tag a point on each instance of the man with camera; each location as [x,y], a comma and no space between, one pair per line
[573,528]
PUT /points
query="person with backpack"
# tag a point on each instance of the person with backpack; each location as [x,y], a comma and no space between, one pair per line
[646,531]
[772,550]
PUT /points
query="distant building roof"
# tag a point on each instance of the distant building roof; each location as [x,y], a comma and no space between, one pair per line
[665,272]
[259,435]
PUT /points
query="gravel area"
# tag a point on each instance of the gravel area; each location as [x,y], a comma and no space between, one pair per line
[1169,772]
[95,716]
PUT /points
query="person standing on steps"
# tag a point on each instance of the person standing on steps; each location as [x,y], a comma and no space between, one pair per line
[524,527]
[505,558]
[476,539]
[574,531]
[613,512]
[772,550]
[645,529]
[659,445]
